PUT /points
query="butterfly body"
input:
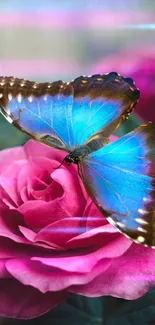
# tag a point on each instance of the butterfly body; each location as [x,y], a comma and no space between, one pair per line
[76,155]
[80,152]
[78,117]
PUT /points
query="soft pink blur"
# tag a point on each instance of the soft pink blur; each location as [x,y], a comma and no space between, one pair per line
[38,67]
[138,64]
[74,19]
[54,241]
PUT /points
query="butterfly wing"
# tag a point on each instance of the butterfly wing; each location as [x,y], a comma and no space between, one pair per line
[67,115]
[101,103]
[120,178]
[41,110]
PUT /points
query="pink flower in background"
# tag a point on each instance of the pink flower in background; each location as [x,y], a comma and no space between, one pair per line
[54,241]
[138,64]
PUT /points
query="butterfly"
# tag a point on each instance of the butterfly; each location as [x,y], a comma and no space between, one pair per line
[78,117]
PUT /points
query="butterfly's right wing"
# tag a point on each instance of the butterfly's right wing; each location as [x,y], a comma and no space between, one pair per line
[101,104]
[120,179]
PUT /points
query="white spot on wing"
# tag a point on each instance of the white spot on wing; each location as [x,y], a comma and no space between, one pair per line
[8,111]
[30,98]
[140,239]
[127,236]
[115,225]
[8,118]
[141,211]
[145,199]
[120,224]
[1,95]
[19,98]
[141,229]
[10,96]
[141,221]
[111,221]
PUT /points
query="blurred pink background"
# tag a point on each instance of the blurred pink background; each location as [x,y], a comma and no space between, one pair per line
[50,40]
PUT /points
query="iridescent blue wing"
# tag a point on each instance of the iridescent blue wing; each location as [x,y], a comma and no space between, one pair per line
[67,115]
[101,104]
[42,110]
[120,178]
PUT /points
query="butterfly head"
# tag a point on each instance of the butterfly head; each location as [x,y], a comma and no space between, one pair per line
[71,158]
[76,155]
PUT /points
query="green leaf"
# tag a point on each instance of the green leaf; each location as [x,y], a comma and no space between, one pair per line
[136,312]
[77,310]
[132,123]
[9,135]
[80,310]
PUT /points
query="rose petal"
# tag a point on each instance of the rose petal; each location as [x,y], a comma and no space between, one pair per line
[79,263]
[31,174]
[30,235]
[94,217]
[46,278]
[24,194]
[9,249]
[113,138]
[59,232]
[129,276]
[70,182]
[5,199]
[86,260]
[28,170]
[59,208]
[12,153]
[49,193]
[9,222]
[44,213]
[46,164]
[19,301]
[35,149]
[8,180]
[3,271]
[94,238]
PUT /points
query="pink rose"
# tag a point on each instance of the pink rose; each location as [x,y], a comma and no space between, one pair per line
[139,64]
[54,241]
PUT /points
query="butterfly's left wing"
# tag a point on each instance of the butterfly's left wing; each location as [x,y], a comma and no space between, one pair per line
[42,110]
[120,178]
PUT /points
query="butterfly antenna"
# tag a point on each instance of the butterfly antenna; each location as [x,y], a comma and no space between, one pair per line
[60,164]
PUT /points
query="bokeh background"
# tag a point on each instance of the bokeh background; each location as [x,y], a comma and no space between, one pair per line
[47,40]
[62,39]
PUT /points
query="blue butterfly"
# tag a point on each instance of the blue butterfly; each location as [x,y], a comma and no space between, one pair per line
[79,117]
